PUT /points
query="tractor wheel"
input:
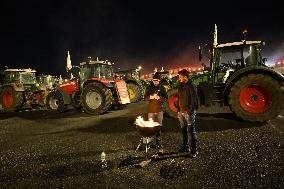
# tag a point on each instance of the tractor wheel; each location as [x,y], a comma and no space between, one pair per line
[134,92]
[40,98]
[96,98]
[11,99]
[54,101]
[170,105]
[256,97]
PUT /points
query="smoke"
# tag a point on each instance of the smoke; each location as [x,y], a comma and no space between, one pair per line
[177,57]
[275,54]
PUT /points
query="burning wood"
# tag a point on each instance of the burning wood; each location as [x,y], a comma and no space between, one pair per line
[140,122]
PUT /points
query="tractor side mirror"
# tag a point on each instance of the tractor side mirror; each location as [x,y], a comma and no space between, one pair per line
[199,53]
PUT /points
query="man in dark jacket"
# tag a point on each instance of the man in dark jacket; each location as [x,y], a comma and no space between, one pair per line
[156,95]
[187,105]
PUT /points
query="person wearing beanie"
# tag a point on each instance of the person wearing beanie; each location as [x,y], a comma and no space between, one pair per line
[156,95]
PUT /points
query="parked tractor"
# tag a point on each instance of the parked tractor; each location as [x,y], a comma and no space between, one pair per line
[135,86]
[95,90]
[49,81]
[19,89]
[237,78]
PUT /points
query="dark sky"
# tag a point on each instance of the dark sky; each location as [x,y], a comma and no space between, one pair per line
[38,34]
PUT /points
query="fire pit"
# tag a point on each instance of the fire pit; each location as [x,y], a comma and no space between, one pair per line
[147,129]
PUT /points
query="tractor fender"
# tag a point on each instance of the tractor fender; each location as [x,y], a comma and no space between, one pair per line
[65,95]
[16,86]
[240,73]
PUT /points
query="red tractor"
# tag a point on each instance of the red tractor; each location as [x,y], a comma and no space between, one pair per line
[95,90]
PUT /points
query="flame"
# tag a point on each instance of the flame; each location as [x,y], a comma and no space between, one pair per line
[150,123]
[140,122]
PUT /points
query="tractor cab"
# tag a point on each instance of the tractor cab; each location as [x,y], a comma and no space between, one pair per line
[230,57]
[96,69]
[23,76]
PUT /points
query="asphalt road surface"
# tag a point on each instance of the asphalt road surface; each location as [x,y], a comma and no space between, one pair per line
[43,149]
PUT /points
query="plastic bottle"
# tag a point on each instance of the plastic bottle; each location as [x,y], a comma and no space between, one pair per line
[103,160]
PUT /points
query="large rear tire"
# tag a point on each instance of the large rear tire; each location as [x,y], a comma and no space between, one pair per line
[11,100]
[96,98]
[170,106]
[54,101]
[134,92]
[256,97]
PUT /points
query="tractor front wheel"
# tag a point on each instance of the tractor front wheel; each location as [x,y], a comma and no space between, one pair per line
[256,97]
[54,101]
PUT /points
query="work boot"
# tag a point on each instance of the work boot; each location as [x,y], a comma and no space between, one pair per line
[184,149]
[194,153]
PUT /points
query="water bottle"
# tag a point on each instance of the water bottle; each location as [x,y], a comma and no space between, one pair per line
[103,160]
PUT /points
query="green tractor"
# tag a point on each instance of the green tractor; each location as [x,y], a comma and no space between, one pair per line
[19,89]
[238,78]
[135,86]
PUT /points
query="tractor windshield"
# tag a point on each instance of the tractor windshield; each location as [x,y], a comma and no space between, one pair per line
[27,78]
[12,76]
[106,71]
[96,70]
[239,56]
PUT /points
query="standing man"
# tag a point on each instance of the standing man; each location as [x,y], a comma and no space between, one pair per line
[156,95]
[187,105]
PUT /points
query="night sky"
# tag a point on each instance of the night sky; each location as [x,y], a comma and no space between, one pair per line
[37,34]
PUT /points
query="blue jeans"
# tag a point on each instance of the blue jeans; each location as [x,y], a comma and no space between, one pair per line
[187,124]
[157,117]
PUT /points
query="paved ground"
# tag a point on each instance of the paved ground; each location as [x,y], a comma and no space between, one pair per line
[41,149]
